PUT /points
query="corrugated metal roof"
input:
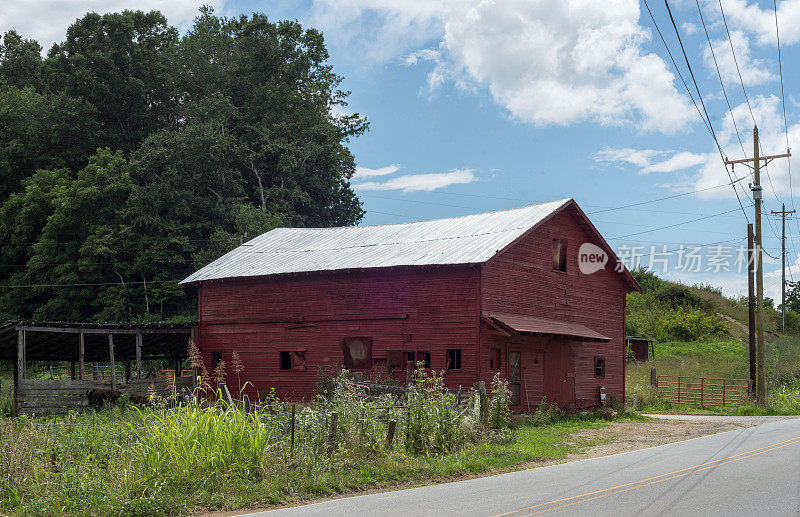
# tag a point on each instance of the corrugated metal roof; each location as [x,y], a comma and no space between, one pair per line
[537,325]
[469,239]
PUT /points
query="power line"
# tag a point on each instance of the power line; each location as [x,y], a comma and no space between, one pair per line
[677,224]
[702,103]
[785,124]
[719,75]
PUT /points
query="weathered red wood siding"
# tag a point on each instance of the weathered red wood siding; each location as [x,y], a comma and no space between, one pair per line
[400,309]
[522,280]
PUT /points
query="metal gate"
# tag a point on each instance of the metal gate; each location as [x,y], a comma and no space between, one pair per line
[702,391]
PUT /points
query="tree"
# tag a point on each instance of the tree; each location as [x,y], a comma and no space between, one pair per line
[20,61]
[793,297]
[203,141]
[120,63]
[42,131]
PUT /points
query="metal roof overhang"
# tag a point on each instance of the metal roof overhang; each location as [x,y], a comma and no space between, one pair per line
[58,341]
[536,325]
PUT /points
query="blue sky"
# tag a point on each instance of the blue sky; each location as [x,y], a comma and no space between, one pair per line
[479,105]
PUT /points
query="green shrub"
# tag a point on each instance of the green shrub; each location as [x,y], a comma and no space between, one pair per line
[499,412]
[433,416]
[545,414]
[690,325]
[648,280]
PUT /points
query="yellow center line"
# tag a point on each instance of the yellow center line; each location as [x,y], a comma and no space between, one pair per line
[651,480]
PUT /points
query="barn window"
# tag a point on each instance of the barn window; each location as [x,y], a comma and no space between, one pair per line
[559,255]
[293,360]
[494,359]
[216,358]
[454,359]
[599,367]
[357,353]
[286,361]
[424,358]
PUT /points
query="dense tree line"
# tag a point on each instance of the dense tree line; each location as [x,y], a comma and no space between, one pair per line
[131,156]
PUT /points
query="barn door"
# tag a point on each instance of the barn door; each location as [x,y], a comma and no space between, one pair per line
[515,376]
[559,374]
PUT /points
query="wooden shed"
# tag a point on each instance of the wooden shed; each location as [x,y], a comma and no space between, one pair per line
[642,348]
[473,296]
[111,344]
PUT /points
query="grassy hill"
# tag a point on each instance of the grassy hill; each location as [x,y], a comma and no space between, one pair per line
[702,333]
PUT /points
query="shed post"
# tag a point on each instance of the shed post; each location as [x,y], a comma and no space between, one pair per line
[72,370]
[139,355]
[177,364]
[21,354]
[127,371]
[81,367]
[111,362]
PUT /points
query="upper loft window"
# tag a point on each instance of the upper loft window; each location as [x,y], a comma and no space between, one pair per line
[357,353]
[559,255]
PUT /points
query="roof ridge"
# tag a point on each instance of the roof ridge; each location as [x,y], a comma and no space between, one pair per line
[558,201]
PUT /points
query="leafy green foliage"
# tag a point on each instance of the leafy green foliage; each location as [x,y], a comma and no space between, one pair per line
[132,156]
[668,311]
[499,408]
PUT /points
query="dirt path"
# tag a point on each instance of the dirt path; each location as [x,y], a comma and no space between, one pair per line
[630,436]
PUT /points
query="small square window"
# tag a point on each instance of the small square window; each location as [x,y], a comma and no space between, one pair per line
[286,361]
[454,359]
[494,359]
[216,358]
[599,367]
[559,255]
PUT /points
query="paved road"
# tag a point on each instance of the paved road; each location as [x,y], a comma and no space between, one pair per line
[752,471]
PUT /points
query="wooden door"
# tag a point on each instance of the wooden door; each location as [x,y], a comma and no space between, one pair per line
[515,376]
[559,374]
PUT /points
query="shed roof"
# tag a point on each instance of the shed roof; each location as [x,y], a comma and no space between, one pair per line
[58,341]
[470,239]
[459,240]
[524,324]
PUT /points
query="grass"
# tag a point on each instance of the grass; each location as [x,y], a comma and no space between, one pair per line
[121,461]
[183,456]
[721,359]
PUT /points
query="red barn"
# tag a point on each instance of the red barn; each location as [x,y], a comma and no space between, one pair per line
[472,296]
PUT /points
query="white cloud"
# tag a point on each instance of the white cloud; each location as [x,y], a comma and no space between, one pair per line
[753,70]
[676,162]
[545,62]
[47,20]
[426,182]
[365,172]
[751,18]
[638,157]
[645,159]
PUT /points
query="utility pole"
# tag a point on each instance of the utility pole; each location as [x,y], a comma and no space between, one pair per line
[761,380]
[783,213]
[751,307]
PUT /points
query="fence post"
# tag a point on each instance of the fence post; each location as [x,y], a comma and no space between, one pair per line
[679,390]
[408,425]
[480,387]
[332,434]
[246,403]
[294,407]
[723,392]
[702,385]
[390,433]
[653,378]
